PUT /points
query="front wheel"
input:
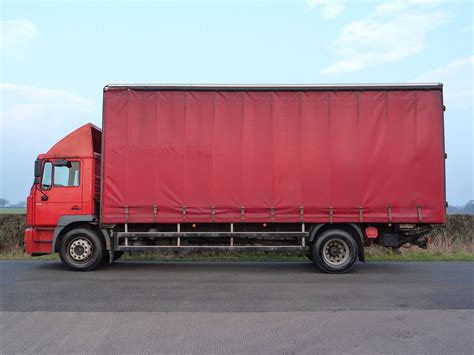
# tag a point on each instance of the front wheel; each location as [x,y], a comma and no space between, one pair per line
[335,251]
[82,249]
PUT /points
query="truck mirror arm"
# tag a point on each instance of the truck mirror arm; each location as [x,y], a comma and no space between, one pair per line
[44,197]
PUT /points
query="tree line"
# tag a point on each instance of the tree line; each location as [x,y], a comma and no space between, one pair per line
[5,203]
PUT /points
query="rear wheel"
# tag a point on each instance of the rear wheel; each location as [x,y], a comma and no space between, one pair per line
[335,251]
[82,249]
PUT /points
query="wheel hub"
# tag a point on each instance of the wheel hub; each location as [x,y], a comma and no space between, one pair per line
[80,249]
[336,252]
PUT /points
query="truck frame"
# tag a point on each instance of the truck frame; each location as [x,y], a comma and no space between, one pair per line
[321,169]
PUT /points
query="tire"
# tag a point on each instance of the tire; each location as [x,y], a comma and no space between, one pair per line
[82,249]
[335,251]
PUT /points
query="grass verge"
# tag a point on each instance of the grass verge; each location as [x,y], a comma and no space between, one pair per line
[13,210]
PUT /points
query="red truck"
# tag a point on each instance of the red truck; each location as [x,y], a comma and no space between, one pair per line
[325,169]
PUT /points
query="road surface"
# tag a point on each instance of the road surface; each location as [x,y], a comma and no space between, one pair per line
[201,308]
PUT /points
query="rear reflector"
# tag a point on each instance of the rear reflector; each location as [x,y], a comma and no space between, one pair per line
[371,232]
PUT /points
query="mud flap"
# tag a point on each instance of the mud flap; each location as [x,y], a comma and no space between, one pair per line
[391,240]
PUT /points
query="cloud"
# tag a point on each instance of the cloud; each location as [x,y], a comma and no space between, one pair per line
[16,35]
[468,29]
[393,31]
[40,115]
[30,103]
[32,119]
[457,79]
[329,8]
[399,5]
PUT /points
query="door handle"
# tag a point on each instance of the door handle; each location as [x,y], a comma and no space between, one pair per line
[75,208]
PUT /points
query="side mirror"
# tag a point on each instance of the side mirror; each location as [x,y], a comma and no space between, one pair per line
[38,170]
[62,162]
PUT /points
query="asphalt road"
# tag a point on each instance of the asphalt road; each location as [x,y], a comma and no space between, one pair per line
[168,307]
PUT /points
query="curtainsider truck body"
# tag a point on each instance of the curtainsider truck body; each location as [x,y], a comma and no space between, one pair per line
[324,169]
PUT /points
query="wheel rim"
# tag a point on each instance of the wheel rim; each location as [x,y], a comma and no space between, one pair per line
[80,249]
[336,252]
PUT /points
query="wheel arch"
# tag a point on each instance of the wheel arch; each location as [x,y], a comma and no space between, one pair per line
[351,228]
[67,223]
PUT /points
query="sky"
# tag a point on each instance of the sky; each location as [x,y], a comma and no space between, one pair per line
[57,56]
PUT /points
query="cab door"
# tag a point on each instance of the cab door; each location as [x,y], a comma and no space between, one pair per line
[61,191]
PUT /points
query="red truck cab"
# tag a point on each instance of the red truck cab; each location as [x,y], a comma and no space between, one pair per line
[67,183]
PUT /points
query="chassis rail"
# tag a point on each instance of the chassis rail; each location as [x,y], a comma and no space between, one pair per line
[123,241]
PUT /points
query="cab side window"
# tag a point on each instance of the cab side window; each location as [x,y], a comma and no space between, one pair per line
[67,176]
[47,179]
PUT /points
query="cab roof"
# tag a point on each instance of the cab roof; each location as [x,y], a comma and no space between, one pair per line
[80,143]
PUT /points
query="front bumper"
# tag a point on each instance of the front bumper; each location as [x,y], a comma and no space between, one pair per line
[38,241]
